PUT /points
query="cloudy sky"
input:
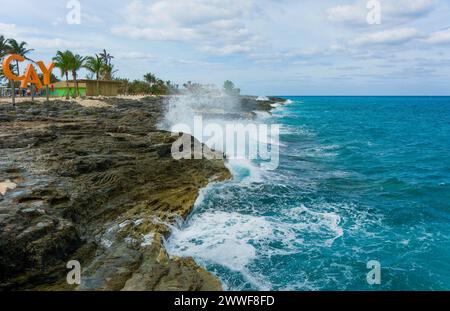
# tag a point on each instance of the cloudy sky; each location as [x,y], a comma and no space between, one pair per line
[267,47]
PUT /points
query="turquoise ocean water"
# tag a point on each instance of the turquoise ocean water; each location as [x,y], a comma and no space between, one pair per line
[360,178]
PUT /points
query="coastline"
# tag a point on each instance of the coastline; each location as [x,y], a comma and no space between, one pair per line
[97,184]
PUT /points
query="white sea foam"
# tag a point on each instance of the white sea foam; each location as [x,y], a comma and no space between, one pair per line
[236,240]
[262,115]
[245,171]
[220,237]
[296,130]
[324,151]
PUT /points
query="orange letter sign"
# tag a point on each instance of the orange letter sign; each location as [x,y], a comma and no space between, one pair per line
[30,74]
[47,72]
[7,71]
[31,77]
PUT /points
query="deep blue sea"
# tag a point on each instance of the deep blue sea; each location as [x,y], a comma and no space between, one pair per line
[360,179]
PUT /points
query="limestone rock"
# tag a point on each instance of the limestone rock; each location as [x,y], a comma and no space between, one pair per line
[97,185]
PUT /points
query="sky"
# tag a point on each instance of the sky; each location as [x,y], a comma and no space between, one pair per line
[266,47]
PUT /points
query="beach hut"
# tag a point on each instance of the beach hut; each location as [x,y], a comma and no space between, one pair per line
[86,88]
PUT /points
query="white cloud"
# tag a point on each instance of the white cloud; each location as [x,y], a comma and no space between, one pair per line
[188,12]
[56,43]
[86,19]
[167,34]
[390,37]
[410,9]
[13,31]
[347,14]
[439,37]
[91,19]
[228,49]
[218,27]
[134,55]
[392,11]
[34,38]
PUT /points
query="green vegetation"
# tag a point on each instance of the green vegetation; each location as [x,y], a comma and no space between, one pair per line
[108,70]
[149,85]
[53,78]
[95,65]
[69,62]
[62,61]
[4,48]
[77,62]
[100,67]
[230,88]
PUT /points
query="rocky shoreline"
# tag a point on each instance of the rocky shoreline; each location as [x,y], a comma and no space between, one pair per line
[97,185]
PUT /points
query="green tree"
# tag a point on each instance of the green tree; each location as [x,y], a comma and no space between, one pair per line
[17,48]
[150,78]
[77,63]
[139,87]
[53,78]
[106,57]
[160,88]
[124,87]
[228,85]
[230,88]
[171,88]
[4,48]
[108,72]
[63,61]
[96,66]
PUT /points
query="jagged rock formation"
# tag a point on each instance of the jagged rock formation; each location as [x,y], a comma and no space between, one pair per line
[97,185]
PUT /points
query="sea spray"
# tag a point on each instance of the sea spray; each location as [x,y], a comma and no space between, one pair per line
[239,139]
[209,104]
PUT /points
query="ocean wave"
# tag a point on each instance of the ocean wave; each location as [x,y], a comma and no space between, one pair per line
[296,130]
[262,115]
[244,171]
[313,223]
[235,240]
[324,151]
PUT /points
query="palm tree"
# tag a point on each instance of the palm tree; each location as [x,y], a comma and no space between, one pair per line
[106,57]
[63,61]
[69,62]
[96,66]
[4,48]
[20,49]
[76,64]
[230,88]
[150,79]
[108,72]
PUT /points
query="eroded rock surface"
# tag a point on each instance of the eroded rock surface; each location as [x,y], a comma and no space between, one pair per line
[97,185]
